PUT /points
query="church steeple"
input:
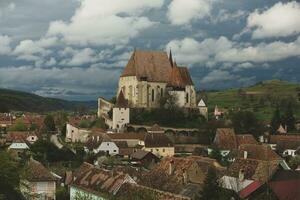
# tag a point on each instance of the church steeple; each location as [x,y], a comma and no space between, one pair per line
[171,58]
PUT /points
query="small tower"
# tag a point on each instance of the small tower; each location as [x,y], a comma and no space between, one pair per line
[121,113]
[203,108]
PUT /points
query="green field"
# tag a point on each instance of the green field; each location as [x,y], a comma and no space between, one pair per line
[260,98]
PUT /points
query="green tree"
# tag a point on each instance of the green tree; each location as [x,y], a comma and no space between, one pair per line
[18,126]
[294,162]
[211,189]
[276,120]
[49,123]
[245,122]
[289,118]
[9,178]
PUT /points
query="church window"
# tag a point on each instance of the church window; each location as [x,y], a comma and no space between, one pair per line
[161,92]
[152,96]
[187,97]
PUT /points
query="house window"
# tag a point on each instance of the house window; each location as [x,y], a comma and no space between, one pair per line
[163,150]
[157,149]
[115,150]
[152,96]
[107,144]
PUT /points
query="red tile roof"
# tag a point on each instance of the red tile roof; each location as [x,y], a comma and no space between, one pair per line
[257,151]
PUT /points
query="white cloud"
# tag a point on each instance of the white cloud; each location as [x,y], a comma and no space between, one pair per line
[181,12]
[282,19]
[79,57]
[210,51]
[5,48]
[101,22]
[33,50]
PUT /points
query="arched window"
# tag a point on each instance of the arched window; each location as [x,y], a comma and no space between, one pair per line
[152,96]
[161,92]
[187,97]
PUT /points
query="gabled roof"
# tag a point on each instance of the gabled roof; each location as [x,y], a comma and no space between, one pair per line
[157,140]
[121,101]
[225,139]
[253,169]
[35,171]
[100,181]
[258,152]
[95,139]
[201,103]
[156,128]
[245,139]
[154,66]
[140,154]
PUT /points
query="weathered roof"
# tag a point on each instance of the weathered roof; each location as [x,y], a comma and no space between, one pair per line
[274,139]
[18,135]
[95,139]
[152,65]
[225,139]
[283,145]
[35,171]
[258,152]
[156,128]
[140,154]
[245,139]
[157,140]
[100,181]
[121,101]
[253,169]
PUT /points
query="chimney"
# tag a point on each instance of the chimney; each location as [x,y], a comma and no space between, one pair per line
[171,167]
[241,175]
[245,154]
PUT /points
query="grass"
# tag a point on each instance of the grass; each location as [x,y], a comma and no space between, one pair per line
[250,98]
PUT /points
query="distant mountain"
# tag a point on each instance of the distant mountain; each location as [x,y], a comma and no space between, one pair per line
[260,98]
[24,101]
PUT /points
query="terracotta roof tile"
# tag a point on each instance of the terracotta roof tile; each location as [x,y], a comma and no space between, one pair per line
[35,171]
[259,152]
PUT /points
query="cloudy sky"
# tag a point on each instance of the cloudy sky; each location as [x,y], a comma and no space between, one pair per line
[76,49]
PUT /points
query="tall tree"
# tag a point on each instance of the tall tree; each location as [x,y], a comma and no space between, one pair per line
[211,189]
[289,118]
[9,178]
[49,123]
[276,120]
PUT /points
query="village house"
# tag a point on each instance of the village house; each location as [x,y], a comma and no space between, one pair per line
[38,183]
[285,145]
[159,144]
[149,75]
[17,148]
[252,169]
[144,158]
[180,175]
[101,142]
[28,136]
[227,141]
[97,184]
[76,134]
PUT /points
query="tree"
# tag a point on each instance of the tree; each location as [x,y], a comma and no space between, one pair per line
[49,123]
[211,189]
[18,126]
[294,162]
[245,122]
[276,120]
[289,118]
[9,178]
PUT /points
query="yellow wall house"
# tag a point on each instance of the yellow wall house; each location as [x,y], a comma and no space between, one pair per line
[159,144]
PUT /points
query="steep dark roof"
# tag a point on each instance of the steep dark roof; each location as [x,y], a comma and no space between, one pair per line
[35,171]
[152,65]
[157,140]
[121,101]
[225,139]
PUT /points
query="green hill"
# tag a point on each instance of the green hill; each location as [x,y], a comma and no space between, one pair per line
[23,101]
[260,98]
